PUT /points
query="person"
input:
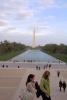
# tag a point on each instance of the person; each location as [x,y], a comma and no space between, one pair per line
[58,73]
[49,66]
[45,86]
[3,66]
[60,84]
[18,66]
[36,67]
[64,85]
[6,66]
[30,92]
[37,87]
[30,85]
[39,67]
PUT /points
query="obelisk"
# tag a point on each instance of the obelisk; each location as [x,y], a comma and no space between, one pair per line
[33,44]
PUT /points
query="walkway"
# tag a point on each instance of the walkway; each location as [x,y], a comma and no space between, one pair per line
[55,93]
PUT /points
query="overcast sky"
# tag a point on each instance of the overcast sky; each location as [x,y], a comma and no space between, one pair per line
[19,17]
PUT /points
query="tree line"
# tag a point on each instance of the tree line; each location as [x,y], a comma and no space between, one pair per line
[6,47]
[54,48]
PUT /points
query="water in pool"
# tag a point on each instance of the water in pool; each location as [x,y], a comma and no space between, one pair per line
[34,56]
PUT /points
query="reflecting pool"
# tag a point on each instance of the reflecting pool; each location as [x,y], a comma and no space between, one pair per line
[35,56]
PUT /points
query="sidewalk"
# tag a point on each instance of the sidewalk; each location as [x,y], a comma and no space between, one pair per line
[55,93]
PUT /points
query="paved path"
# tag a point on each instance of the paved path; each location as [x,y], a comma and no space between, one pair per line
[21,86]
[55,93]
[23,81]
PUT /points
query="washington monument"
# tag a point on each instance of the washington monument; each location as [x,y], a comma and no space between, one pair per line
[33,42]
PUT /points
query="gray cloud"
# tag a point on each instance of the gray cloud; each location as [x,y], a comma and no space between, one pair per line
[24,14]
[3,23]
[48,2]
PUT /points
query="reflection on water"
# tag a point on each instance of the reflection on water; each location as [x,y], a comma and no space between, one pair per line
[34,56]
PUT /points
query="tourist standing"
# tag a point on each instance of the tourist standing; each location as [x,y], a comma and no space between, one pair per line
[3,65]
[18,66]
[6,66]
[64,86]
[58,73]
[30,85]
[36,67]
[45,86]
[60,84]
[49,66]
[30,92]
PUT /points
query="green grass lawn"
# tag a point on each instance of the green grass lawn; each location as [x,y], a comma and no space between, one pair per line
[62,57]
[9,55]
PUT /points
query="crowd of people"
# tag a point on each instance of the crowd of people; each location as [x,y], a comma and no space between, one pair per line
[44,67]
[6,66]
[37,66]
[3,66]
[33,89]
